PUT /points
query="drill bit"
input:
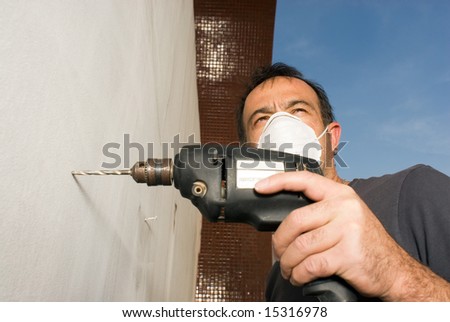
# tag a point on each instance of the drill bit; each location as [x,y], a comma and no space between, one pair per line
[102,172]
[153,172]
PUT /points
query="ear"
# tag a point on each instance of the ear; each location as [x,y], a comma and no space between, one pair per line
[334,128]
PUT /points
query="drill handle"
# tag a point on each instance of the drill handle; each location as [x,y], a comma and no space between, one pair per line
[331,289]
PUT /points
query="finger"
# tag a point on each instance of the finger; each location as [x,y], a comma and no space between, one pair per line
[316,266]
[298,222]
[314,186]
[308,244]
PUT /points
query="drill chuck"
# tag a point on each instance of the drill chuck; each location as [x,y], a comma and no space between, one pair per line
[153,172]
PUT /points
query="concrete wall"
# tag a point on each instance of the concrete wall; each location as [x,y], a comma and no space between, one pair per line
[75,75]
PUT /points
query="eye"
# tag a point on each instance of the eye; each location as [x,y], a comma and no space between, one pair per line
[298,110]
[261,120]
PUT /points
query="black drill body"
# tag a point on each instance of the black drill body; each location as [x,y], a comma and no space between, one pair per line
[219,181]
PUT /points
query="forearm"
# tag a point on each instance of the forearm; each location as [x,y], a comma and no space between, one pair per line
[417,283]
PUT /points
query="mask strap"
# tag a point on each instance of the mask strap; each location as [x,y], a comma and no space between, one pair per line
[322,134]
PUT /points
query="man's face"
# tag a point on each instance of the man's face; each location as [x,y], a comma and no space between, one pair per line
[278,94]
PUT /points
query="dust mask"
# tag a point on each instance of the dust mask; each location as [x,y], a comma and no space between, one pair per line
[287,133]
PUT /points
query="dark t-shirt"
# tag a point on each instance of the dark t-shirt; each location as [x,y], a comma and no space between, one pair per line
[414,207]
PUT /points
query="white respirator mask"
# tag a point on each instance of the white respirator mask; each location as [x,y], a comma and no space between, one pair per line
[287,133]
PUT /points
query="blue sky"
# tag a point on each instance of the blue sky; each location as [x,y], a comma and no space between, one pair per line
[386,68]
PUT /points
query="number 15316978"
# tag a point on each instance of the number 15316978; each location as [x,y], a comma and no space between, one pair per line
[293,312]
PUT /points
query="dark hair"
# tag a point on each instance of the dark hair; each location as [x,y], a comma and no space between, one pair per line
[279,69]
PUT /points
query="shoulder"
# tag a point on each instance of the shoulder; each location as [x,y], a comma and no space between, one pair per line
[424,175]
[419,174]
[387,196]
[426,184]
[415,191]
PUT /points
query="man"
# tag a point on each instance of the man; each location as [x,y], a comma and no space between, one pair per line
[388,237]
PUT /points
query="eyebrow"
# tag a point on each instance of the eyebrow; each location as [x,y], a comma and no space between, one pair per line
[296,101]
[268,109]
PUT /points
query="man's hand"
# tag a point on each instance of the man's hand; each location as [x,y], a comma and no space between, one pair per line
[339,235]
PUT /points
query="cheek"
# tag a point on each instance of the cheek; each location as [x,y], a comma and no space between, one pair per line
[253,135]
[316,126]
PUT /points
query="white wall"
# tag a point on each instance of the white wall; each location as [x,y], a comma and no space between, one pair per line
[75,75]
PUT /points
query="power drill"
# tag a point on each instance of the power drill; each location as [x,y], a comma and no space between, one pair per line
[219,181]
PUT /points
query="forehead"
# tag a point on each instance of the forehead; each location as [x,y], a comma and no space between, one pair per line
[276,90]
